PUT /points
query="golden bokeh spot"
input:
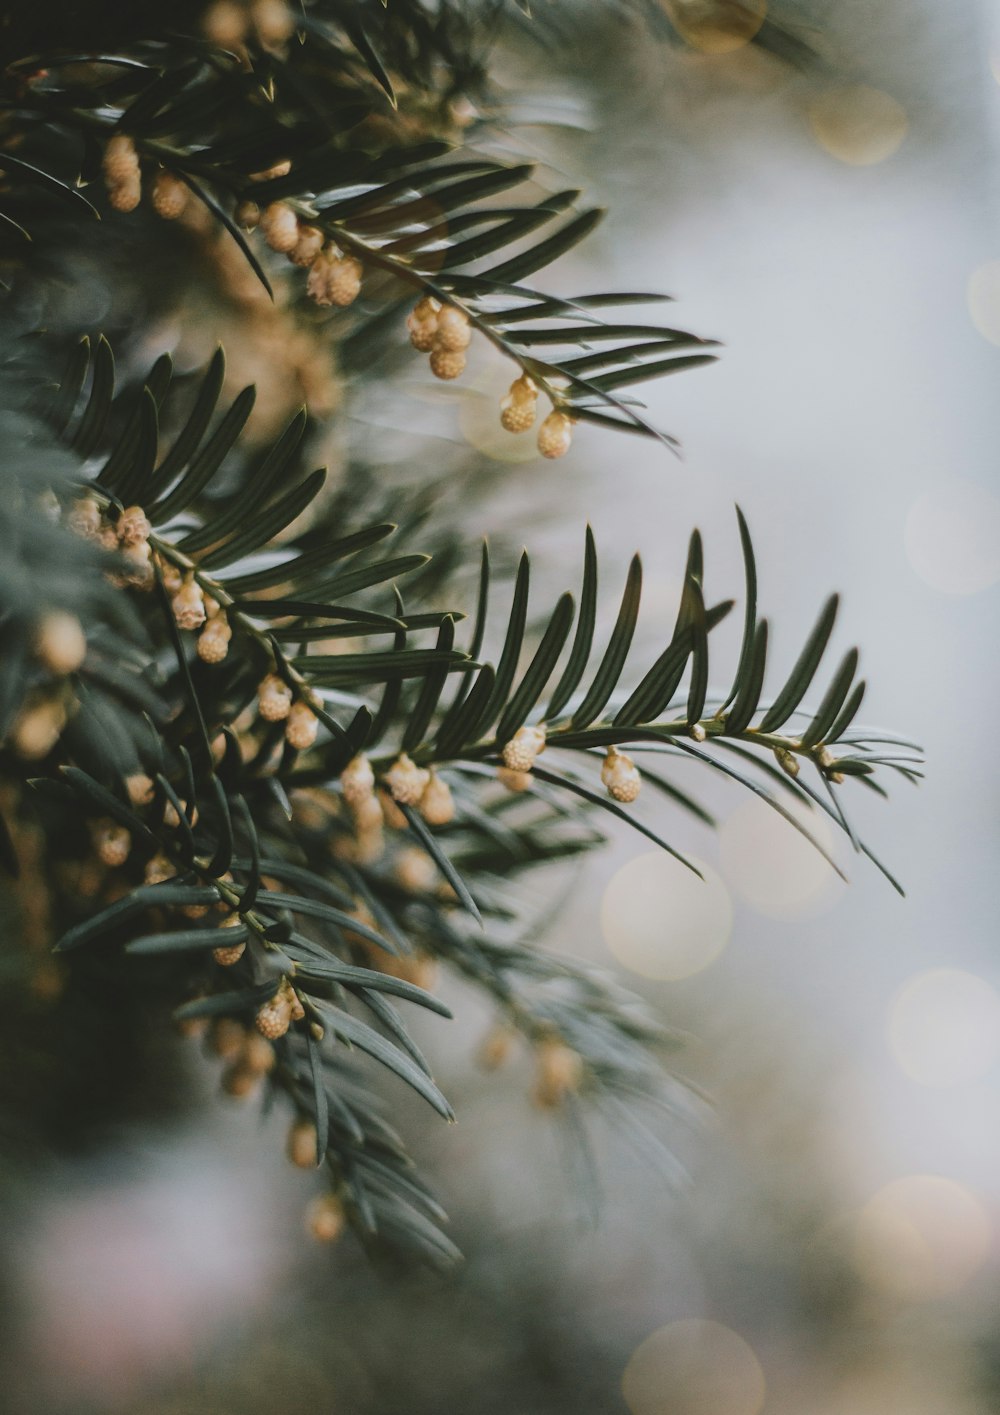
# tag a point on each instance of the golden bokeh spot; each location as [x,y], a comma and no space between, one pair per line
[952,537]
[857,124]
[716,26]
[694,1367]
[772,866]
[921,1237]
[661,921]
[943,1027]
[982,296]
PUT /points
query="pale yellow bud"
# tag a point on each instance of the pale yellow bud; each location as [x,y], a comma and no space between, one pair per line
[445,363]
[620,776]
[126,195]
[120,162]
[225,23]
[516,781]
[188,605]
[213,641]
[170,195]
[325,1218]
[555,435]
[357,781]
[84,518]
[453,331]
[37,730]
[159,869]
[280,227]
[308,246]
[302,1145]
[258,1054]
[60,641]
[301,726]
[112,843]
[559,1073]
[140,789]
[274,698]
[526,744]
[415,870]
[437,806]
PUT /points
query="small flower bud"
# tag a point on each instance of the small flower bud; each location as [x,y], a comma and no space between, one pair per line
[227,1038]
[213,641]
[188,605]
[415,870]
[274,698]
[274,1018]
[84,518]
[357,781]
[302,1143]
[519,409]
[126,196]
[453,331]
[560,1071]
[138,565]
[280,227]
[325,1218]
[158,869]
[308,246]
[228,954]
[344,282]
[301,726]
[697,732]
[437,806]
[368,815]
[170,195]
[406,781]
[446,364]
[273,21]
[526,744]
[120,162]
[112,843]
[225,23]
[60,642]
[37,729]
[247,215]
[787,760]
[555,435]
[258,1054]
[423,323]
[620,776]
[516,781]
[140,789]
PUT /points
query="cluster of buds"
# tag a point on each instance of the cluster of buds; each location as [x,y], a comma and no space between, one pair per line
[122,173]
[133,531]
[277,1015]
[276,703]
[334,278]
[112,842]
[443,331]
[559,1073]
[228,954]
[620,776]
[519,406]
[229,23]
[412,785]
[520,752]
[325,1218]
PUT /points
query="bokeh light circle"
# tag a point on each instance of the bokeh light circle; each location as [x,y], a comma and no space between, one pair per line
[857,124]
[694,1367]
[716,26]
[982,296]
[952,537]
[661,921]
[921,1237]
[772,866]
[944,1027]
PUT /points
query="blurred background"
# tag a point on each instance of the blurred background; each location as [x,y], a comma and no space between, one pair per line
[827,1242]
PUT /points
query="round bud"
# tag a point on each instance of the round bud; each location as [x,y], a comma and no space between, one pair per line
[368,815]
[273,21]
[787,760]
[423,323]
[445,363]
[225,23]
[518,417]
[526,744]
[120,163]
[620,776]
[406,781]
[37,730]
[555,435]
[188,605]
[171,575]
[280,226]
[274,698]
[302,1142]
[258,1054]
[325,1218]
[274,1018]
[158,869]
[344,281]
[213,641]
[139,565]
[415,870]
[227,1038]
[228,954]
[112,843]
[453,332]
[559,1073]
[126,195]
[247,215]
[140,789]
[60,642]
[308,246]
[357,781]
[301,726]
[238,1080]
[170,195]
[437,806]
[516,781]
